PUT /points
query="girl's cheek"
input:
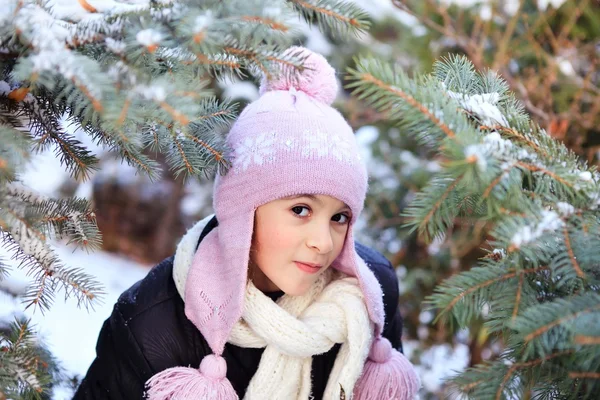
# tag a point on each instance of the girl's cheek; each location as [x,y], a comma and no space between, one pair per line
[278,237]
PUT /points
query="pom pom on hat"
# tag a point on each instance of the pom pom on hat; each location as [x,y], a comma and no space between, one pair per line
[317,79]
[182,383]
[381,350]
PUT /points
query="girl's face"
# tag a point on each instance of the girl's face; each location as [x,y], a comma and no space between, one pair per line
[295,240]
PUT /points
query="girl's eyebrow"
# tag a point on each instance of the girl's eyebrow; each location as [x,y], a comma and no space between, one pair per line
[314,198]
[310,196]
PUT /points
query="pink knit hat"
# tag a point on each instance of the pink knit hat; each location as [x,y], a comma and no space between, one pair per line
[288,142]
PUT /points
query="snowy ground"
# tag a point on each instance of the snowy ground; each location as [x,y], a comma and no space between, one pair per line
[71,332]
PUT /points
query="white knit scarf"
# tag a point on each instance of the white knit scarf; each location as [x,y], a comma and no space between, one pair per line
[296,328]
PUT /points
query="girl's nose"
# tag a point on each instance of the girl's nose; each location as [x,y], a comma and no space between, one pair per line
[320,238]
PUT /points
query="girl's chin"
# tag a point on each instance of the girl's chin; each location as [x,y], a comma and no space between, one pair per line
[297,290]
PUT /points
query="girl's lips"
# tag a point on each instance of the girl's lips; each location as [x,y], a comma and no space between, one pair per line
[307,268]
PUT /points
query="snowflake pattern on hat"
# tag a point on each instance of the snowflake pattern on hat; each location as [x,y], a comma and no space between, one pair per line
[254,150]
[263,149]
[320,144]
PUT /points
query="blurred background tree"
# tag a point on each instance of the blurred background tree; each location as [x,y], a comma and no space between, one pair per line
[547,51]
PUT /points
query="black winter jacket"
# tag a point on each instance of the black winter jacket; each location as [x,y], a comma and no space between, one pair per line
[148,332]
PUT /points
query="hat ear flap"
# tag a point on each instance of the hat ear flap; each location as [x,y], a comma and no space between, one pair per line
[216,282]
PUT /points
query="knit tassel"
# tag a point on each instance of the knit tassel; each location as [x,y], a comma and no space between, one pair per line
[387,375]
[181,383]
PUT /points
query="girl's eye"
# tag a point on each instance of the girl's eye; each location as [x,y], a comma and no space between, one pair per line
[343,218]
[299,210]
[304,211]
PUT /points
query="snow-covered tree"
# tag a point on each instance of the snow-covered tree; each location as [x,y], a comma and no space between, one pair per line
[557,82]
[134,75]
[537,288]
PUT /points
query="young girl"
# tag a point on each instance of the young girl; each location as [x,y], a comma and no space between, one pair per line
[271,298]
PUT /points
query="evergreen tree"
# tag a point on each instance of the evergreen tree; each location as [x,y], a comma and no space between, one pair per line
[537,287]
[134,76]
[521,44]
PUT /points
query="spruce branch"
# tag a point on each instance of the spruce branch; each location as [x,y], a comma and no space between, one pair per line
[557,314]
[481,283]
[579,375]
[536,168]
[135,158]
[215,115]
[519,366]
[503,378]
[269,22]
[47,271]
[22,357]
[383,87]
[25,229]
[518,297]
[43,123]
[13,153]
[219,157]
[342,16]
[587,340]
[505,171]
[571,254]
[186,164]
[65,218]
[511,133]
[3,269]
[263,59]
[438,217]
